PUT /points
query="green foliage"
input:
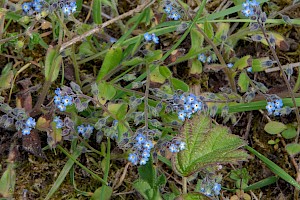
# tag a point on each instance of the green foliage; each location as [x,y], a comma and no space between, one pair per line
[104,192]
[241,63]
[112,59]
[106,92]
[6,77]
[274,127]
[96,9]
[8,181]
[241,177]
[293,148]
[207,144]
[243,82]
[52,64]
[148,184]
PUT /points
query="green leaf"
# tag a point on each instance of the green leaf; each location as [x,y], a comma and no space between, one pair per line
[257,66]
[208,29]
[52,64]
[103,193]
[86,49]
[207,144]
[241,63]
[196,39]
[179,85]
[112,59]
[97,12]
[193,196]
[223,29]
[106,92]
[274,168]
[293,148]
[262,183]
[197,67]
[153,56]
[289,133]
[6,77]
[165,71]
[243,82]
[8,181]
[156,76]
[274,127]
[133,61]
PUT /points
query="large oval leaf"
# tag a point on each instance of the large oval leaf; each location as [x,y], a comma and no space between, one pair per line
[207,144]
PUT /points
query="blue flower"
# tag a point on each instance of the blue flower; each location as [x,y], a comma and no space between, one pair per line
[57,91]
[191,98]
[173,148]
[209,59]
[37,6]
[59,124]
[61,107]
[217,188]
[140,138]
[248,11]
[143,161]
[229,65]
[67,100]
[253,3]
[81,129]
[202,57]
[57,99]
[155,39]
[66,9]
[181,115]
[148,145]
[196,106]
[133,158]
[148,37]
[73,6]
[168,9]
[26,7]
[187,107]
[181,146]
[249,69]
[89,129]
[270,107]
[278,103]
[146,153]
[26,131]
[57,119]
[175,15]
[30,122]
[183,98]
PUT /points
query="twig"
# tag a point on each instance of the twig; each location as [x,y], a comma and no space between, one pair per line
[105,24]
[274,69]
[123,176]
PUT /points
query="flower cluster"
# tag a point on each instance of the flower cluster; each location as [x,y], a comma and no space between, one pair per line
[274,107]
[151,37]
[205,59]
[249,7]
[210,184]
[86,131]
[187,105]
[34,6]
[69,8]
[142,148]
[211,189]
[30,124]
[172,9]
[37,6]
[62,101]
[177,146]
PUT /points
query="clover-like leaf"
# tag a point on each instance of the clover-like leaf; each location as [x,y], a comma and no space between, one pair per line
[207,144]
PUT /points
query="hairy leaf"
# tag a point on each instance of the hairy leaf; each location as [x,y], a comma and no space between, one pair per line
[207,144]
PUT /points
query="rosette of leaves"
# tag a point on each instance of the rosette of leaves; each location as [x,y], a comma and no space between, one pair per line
[207,144]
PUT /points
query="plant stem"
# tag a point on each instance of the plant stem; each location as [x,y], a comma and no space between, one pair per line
[146,96]
[95,176]
[184,185]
